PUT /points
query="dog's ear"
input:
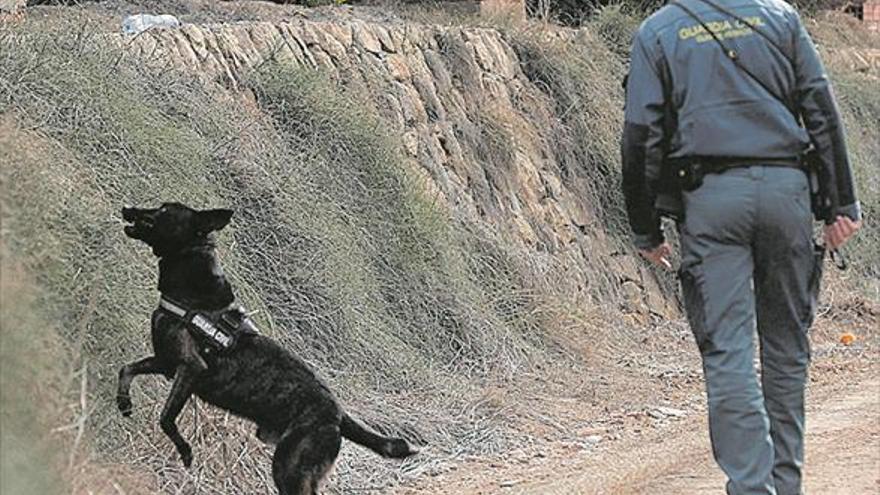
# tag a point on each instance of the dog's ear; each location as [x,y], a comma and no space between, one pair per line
[211,220]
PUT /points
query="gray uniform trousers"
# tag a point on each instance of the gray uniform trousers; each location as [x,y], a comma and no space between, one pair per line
[748,255]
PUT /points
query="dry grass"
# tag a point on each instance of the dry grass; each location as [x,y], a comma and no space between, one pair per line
[415,316]
[404,310]
[858,95]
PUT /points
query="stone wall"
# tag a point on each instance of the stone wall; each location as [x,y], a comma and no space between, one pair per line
[439,88]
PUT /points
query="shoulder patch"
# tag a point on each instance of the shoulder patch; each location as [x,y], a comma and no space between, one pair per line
[726,29]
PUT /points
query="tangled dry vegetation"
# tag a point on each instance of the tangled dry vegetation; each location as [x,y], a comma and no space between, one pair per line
[406,309]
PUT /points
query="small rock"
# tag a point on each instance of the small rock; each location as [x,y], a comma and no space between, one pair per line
[397,67]
[591,440]
[666,412]
[670,411]
[509,483]
[364,37]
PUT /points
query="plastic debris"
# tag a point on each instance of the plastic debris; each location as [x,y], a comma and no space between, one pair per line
[138,23]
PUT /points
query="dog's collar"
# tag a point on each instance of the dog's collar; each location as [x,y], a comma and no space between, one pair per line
[172,307]
[180,310]
[206,245]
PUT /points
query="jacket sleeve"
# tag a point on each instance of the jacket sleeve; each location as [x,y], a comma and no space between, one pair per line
[642,144]
[821,118]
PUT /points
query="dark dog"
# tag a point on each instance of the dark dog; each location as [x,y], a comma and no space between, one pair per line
[254,378]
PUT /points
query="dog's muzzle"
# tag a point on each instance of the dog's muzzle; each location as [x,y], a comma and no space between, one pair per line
[141,221]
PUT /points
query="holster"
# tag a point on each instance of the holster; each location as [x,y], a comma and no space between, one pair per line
[668,201]
[676,176]
[690,175]
[821,201]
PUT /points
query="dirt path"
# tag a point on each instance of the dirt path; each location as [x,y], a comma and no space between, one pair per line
[843,455]
[845,440]
[843,446]
[639,426]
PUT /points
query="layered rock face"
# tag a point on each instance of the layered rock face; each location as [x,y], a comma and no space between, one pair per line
[475,126]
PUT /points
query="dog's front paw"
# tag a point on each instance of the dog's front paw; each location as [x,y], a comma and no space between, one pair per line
[123,402]
[186,455]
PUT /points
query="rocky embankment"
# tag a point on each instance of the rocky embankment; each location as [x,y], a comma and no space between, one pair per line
[476,126]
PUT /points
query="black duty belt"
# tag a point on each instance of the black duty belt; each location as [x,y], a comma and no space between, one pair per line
[690,171]
[718,165]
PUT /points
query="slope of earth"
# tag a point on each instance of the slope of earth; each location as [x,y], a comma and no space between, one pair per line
[428,213]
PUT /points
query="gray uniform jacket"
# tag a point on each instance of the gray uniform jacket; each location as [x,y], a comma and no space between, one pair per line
[685,99]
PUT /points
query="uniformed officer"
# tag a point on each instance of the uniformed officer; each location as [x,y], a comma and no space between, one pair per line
[731,93]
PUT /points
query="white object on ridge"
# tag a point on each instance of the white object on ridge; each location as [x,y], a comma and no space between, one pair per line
[138,23]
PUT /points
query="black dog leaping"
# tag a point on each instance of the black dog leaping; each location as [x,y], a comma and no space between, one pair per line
[209,348]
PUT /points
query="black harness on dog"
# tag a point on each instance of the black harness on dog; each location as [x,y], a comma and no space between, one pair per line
[216,331]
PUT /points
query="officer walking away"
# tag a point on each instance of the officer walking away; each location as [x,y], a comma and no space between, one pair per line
[723,99]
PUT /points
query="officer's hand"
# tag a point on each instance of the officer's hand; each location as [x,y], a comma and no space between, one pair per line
[659,255]
[840,231]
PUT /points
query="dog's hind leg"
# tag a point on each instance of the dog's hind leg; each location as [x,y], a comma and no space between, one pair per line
[302,461]
[180,393]
[322,457]
[286,464]
[147,366]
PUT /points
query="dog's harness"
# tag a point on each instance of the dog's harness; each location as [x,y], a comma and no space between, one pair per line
[216,331]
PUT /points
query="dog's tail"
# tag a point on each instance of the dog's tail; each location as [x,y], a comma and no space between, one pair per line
[397,448]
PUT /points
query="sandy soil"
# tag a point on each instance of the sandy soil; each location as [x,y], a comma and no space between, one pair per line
[640,447]
[843,455]
[843,445]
